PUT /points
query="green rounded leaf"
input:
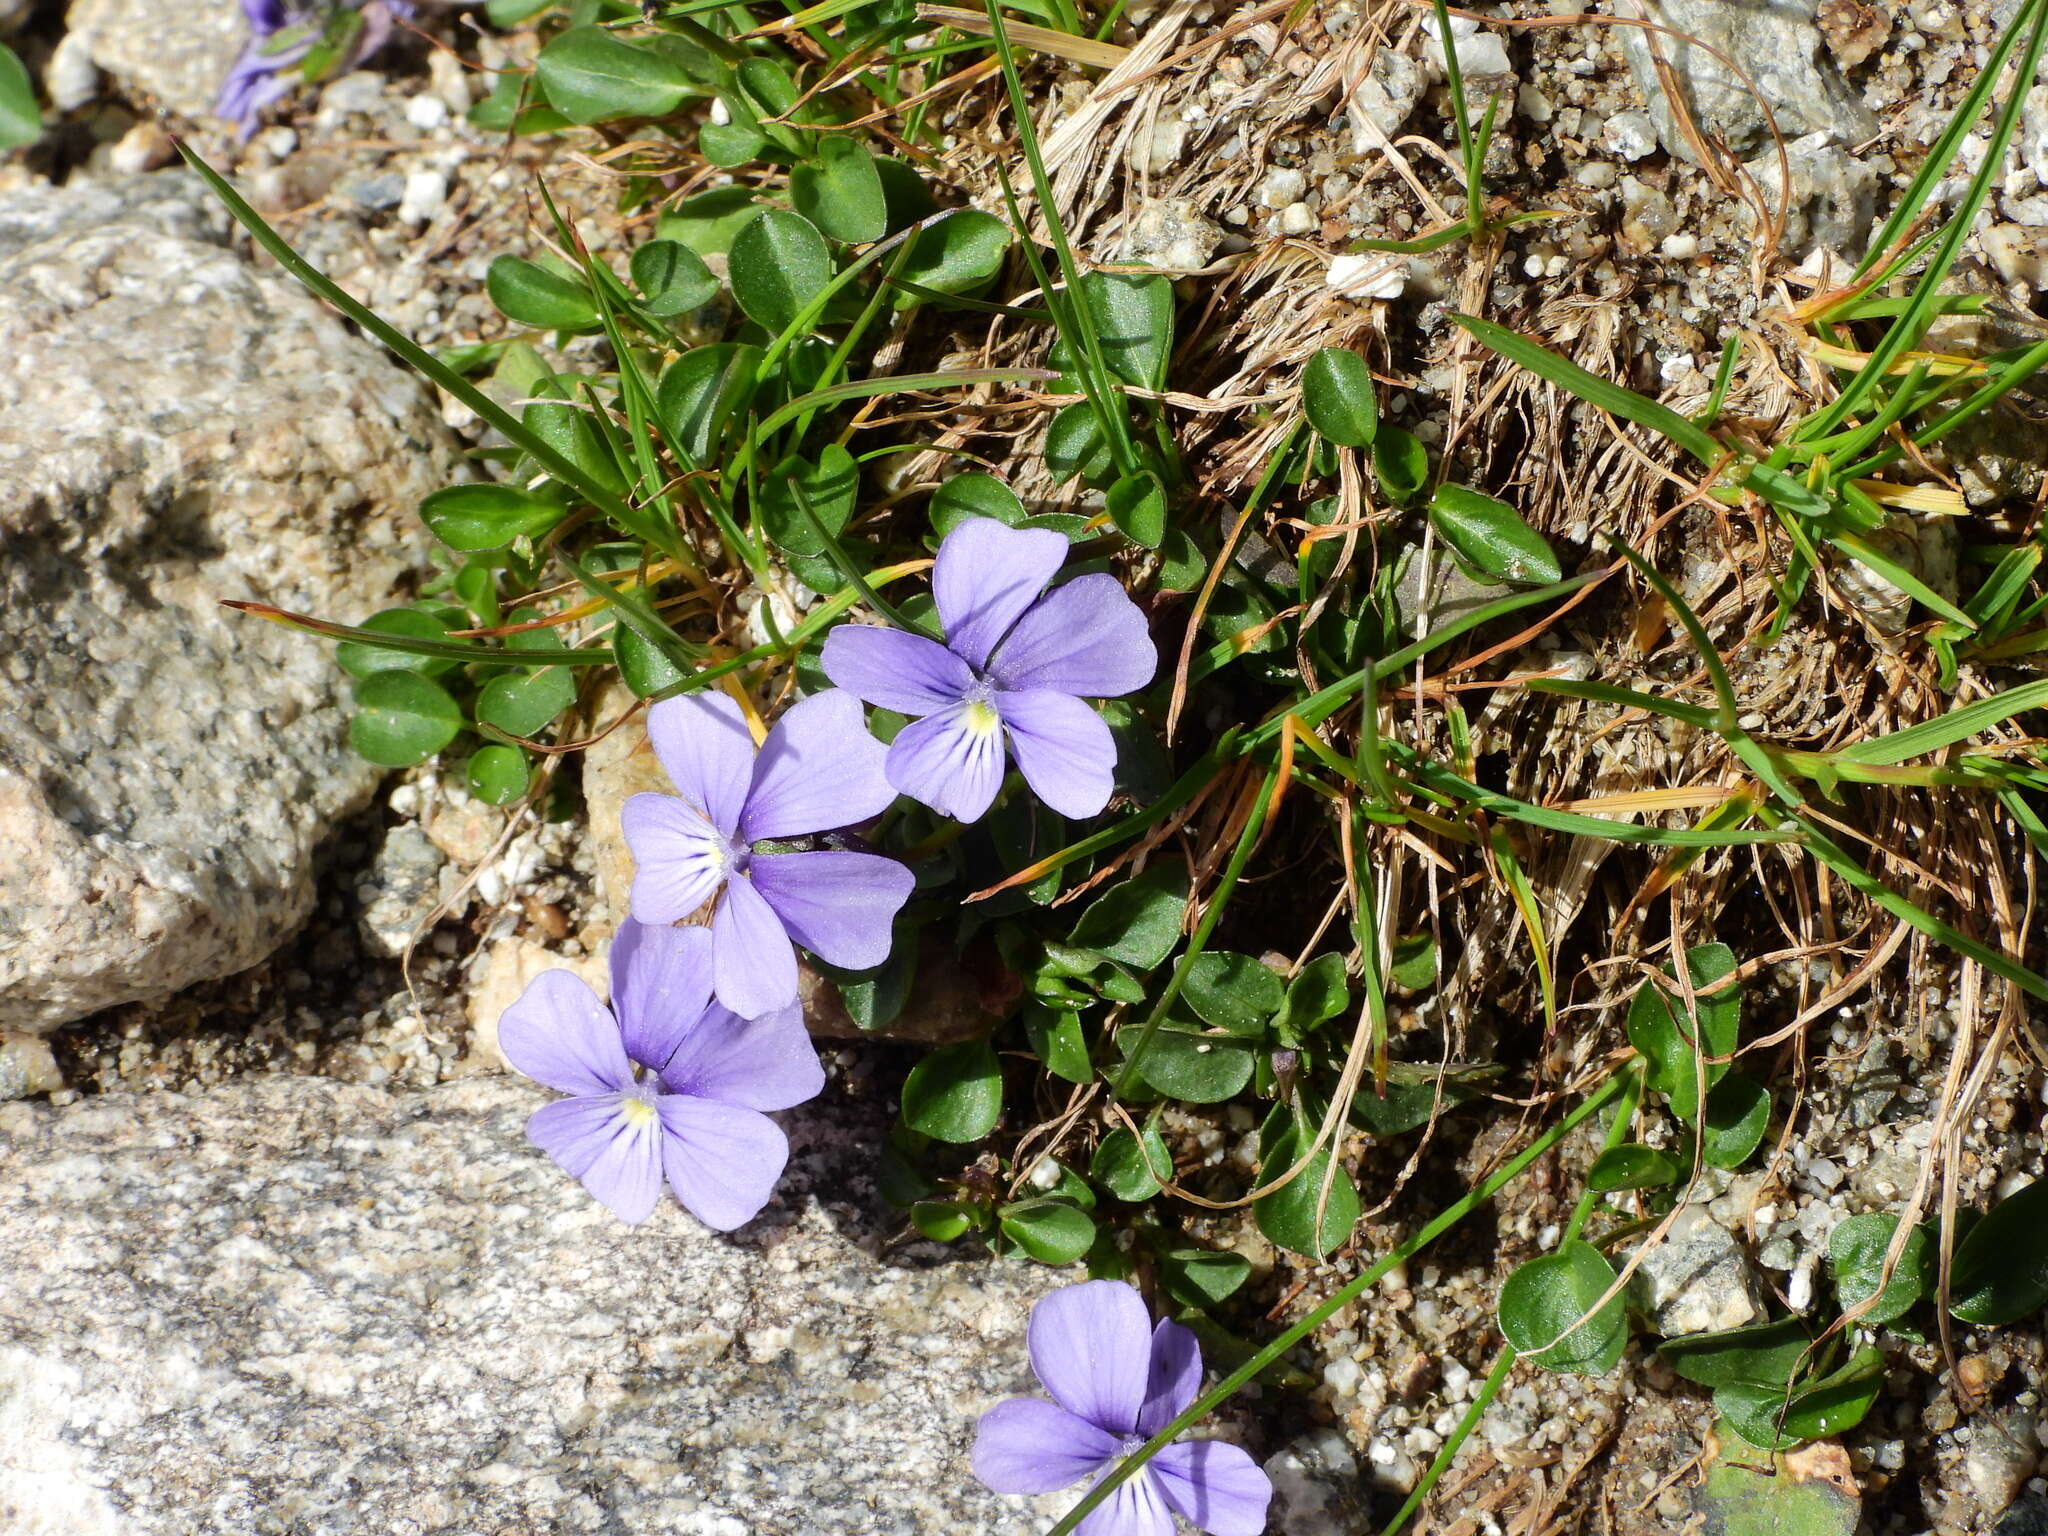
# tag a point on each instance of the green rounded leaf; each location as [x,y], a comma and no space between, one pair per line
[672,278]
[1738,1114]
[829,485]
[974,494]
[2000,1271]
[777,265]
[1196,1277]
[700,392]
[1200,1069]
[592,75]
[841,192]
[523,703]
[941,1220]
[1051,1231]
[1400,463]
[1129,1168]
[1632,1166]
[1057,1041]
[1137,505]
[1137,922]
[402,718]
[498,774]
[531,294]
[1857,1249]
[1299,1216]
[1074,444]
[1763,1353]
[1667,1041]
[1543,1302]
[708,222]
[1318,994]
[568,430]
[956,1093]
[642,667]
[1491,536]
[1133,324]
[956,255]
[1338,396]
[470,517]
[359,658]
[21,120]
[1233,992]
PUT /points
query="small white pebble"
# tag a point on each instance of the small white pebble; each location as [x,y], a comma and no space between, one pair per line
[1366,277]
[425,192]
[1045,1173]
[1297,219]
[426,112]
[1680,247]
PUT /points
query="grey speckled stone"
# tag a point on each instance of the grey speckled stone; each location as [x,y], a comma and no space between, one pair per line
[291,1306]
[1775,41]
[175,51]
[177,427]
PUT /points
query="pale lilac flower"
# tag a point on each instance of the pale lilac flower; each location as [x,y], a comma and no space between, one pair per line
[1116,1382]
[818,770]
[663,1082]
[282,33]
[1015,662]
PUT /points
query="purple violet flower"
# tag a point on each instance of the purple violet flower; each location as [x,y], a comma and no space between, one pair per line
[282,33]
[1116,1382]
[1017,660]
[818,770]
[696,1113]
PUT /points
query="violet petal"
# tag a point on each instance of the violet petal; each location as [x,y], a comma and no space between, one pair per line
[754,966]
[764,1063]
[708,753]
[661,985]
[722,1161]
[840,906]
[892,668]
[1214,1485]
[559,1034]
[679,859]
[951,761]
[1027,1445]
[1134,1508]
[1174,1379]
[818,769]
[615,1154]
[1063,748]
[986,575]
[1091,1344]
[1086,638]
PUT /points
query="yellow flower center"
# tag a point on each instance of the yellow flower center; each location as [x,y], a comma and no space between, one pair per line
[982,719]
[639,1113]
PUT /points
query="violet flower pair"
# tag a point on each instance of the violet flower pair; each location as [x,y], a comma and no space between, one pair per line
[1017,662]
[1116,1381]
[283,33]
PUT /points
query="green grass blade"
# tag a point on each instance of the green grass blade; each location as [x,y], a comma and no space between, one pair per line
[1437,778]
[1946,730]
[450,650]
[1594,390]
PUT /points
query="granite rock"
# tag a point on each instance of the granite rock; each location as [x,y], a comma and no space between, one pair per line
[177,427]
[1697,1279]
[1775,41]
[291,1305]
[175,52]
